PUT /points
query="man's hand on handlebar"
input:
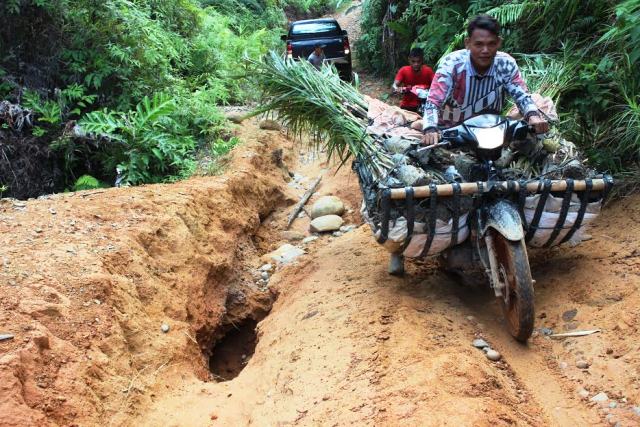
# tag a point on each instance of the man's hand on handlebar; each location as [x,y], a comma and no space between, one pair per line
[539,124]
[430,138]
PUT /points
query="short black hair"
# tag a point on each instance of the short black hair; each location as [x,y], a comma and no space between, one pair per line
[416,52]
[484,22]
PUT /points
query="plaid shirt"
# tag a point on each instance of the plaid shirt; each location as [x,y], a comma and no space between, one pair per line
[458,92]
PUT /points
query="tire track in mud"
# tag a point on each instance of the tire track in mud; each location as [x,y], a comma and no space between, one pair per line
[530,364]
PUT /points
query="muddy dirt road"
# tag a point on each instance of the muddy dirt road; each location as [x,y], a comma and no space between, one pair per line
[88,279]
[144,306]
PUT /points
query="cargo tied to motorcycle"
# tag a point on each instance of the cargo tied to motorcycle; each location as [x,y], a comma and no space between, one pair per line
[384,143]
[478,198]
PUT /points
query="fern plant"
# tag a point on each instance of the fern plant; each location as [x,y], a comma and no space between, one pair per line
[146,144]
[87,182]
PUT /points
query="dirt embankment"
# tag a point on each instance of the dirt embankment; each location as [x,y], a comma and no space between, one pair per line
[89,278]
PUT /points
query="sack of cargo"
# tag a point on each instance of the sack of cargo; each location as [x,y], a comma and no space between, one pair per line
[420,241]
[561,219]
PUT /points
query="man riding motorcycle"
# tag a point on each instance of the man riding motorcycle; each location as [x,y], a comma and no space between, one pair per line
[471,82]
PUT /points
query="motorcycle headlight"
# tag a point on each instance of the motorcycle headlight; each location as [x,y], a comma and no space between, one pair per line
[489,138]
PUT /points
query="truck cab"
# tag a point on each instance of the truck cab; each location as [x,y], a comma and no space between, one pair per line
[304,35]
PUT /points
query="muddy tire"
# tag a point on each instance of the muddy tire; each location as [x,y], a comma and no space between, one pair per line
[514,271]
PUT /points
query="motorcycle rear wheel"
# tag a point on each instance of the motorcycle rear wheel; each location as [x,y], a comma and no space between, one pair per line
[515,273]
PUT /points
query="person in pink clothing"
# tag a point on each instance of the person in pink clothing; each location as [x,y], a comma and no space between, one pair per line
[474,81]
[414,74]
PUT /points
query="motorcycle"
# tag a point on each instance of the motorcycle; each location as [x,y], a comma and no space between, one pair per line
[496,247]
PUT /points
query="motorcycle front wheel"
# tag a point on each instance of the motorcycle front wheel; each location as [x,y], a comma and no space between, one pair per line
[515,274]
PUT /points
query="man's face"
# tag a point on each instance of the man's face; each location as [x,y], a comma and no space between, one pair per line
[416,63]
[483,46]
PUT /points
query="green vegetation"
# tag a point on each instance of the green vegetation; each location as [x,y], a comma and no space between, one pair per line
[335,117]
[585,54]
[143,79]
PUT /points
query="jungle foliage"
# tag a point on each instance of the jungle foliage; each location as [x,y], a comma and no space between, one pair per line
[585,54]
[131,85]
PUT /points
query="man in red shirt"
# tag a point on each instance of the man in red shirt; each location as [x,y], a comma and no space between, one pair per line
[411,75]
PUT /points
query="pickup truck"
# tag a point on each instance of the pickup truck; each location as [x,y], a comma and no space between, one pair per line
[304,35]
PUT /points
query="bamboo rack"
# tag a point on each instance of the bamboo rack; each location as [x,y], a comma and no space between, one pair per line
[468,188]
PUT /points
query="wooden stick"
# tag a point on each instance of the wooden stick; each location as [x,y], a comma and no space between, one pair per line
[575,334]
[483,187]
[301,203]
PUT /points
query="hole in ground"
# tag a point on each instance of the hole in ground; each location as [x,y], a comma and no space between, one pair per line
[232,352]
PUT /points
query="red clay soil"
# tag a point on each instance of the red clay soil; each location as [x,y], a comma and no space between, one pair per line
[89,278]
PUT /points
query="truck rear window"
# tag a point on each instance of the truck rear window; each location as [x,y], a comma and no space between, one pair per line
[314,27]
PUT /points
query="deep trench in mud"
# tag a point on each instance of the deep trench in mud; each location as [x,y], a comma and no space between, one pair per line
[231,353]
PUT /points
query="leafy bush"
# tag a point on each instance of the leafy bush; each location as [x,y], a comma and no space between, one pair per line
[87,182]
[147,144]
[73,56]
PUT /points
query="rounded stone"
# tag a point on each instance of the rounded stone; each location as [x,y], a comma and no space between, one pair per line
[264,275]
[493,355]
[480,343]
[269,125]
[165,328]
[235,117]
[582,364]
[327,205]
[326,223]
[266,267]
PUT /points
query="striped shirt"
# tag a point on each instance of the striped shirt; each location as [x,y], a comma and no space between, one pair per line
[458,92]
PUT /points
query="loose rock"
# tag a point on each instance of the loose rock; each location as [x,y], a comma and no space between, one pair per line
[347,228]
[600,397]
[568,315]
[327,205]
[165,328]
[613,404]
[284,254]
[235,117]
[266,267]
[264,275]
[493,355]
[584,394]
[326,223]
[269,125]
[582,364]
[5,337]
[336,234]
[546,331]
[309,239]
[480,343]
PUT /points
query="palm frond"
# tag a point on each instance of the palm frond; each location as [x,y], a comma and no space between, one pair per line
[319,104]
